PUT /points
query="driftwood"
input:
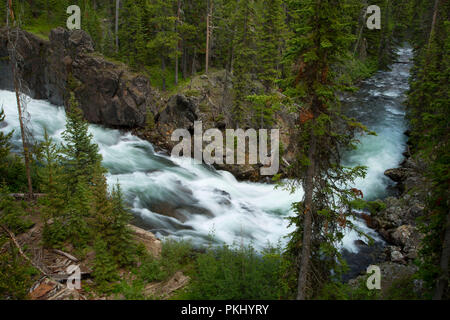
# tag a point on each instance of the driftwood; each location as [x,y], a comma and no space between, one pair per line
[14,240]
[68,256]
[26,195]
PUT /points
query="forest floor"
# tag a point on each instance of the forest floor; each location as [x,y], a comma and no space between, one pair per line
[51,281]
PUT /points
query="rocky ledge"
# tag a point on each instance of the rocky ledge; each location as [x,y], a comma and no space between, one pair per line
[395,220]
[108,93]
[111,94]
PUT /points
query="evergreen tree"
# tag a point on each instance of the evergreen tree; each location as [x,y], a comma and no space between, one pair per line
[428,103]
[81,158]
[243,63]
[105,269]
[164,39]
[270,42]
[322,37]
[5,146]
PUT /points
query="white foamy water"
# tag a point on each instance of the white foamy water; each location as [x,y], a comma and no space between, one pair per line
[173,197]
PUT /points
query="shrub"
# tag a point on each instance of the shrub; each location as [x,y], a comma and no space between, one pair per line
[240,273]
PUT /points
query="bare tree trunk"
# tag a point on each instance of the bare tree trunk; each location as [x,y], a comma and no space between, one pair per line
[207,38]
[193,70]
[442,282]
[117,25]
[22,130]
[184,61]
[433,23]
[208,33]
[7,13]
[13,60]
[307,223]
[361,30]
[163,68]
[178,43]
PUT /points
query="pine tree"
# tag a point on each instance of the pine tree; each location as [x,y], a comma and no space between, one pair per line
[322,37]
[121,244]
[270,42]
[428,103]
[81,158]
[5,146]
[164,40]
[105,269]
[243,63]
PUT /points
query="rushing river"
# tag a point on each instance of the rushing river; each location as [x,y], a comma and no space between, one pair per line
[174,197]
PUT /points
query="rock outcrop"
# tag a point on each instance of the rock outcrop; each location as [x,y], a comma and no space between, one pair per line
[108,93]
[148,239]
[397,221]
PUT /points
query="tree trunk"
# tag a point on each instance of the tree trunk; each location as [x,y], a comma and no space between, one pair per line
[178,43]
[207,37]
[13,60]
[433,22]
[184,61]
[193,70]
[307,223]
[163,69]
[22,130]
[7,13]
[442,282]
[361,30]
[117,25]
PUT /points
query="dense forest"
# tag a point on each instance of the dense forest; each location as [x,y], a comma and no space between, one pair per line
[301,54]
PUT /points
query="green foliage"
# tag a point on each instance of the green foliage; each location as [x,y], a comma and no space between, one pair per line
[81,158]
[428,103]
[13,214]
[113,225]
[239,274]
[105,269]
[16,274]
[402,289]
[5,144]
[243,63]
[322,37]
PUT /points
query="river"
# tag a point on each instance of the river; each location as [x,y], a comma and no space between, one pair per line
[172,197]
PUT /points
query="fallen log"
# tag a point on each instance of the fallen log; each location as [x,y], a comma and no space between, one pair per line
[68,256]
[22,196]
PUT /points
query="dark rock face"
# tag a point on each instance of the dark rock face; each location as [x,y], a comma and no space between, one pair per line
[398,174]
[181,112]
[397,223]
[108,93]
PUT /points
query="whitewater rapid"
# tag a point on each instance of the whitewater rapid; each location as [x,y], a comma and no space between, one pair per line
[173,197]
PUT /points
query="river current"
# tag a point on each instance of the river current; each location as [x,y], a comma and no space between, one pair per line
[173,197]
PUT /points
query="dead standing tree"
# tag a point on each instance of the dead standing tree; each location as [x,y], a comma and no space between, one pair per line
[14,34]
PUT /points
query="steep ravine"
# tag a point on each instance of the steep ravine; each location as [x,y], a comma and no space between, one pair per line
[173,197]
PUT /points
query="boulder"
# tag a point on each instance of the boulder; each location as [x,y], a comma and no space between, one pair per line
[398,174]
[408,238]
[148,239]
[180,112]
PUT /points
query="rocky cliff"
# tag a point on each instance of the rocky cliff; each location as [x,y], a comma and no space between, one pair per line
[108,93]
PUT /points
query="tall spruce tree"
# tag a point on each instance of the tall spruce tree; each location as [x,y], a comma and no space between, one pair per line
[81,155]
[244,55]
[322,37]
[428,103]
[5,144]
[270,40]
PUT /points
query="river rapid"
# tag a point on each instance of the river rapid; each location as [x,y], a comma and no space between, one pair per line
[173,197]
